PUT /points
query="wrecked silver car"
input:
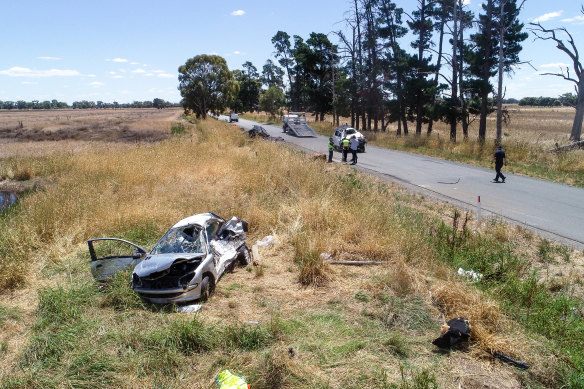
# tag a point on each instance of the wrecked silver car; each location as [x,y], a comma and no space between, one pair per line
[184,265]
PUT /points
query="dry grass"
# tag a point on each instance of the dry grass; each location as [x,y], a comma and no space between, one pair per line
[339,336]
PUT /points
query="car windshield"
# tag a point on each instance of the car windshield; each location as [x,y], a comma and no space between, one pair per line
[181,240]
[351,131]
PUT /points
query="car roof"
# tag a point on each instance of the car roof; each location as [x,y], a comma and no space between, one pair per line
[200,219]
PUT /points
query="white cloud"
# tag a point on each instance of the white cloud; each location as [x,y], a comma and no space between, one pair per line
[91,75]
[548,16]
[17,71]
[134,63]
[236,52]
[239,12]
[138,71]
[165,75]
[96,83]
[148,74]
[118,76]
[119,60]
[50,58]
[579,18]
[112,73]
[554,65]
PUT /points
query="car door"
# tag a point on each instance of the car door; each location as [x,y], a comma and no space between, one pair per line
[111,255]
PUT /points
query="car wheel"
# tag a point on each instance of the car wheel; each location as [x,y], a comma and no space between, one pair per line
[244,256]
[207,287]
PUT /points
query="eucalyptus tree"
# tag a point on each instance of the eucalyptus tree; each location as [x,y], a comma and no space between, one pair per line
[272,75]
[571,51]
[281,42]
[206,84]
[249,88]
[371,93]
[351,51]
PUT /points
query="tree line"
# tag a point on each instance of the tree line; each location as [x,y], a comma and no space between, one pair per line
[436,62]
[372,76]
[84,104]
[565,100]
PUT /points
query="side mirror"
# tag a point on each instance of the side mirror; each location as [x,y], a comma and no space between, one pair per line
[136,253]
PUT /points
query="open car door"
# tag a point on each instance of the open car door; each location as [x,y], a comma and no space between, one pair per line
[111,255]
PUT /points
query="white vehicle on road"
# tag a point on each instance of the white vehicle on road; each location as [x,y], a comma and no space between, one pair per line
[345,131]
[233,117]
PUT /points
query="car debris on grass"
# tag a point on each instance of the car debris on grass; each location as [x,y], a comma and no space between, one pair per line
[184,265]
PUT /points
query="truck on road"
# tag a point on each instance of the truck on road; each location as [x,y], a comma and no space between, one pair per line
[295,124]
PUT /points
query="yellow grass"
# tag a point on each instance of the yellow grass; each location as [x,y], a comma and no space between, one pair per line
[112,189]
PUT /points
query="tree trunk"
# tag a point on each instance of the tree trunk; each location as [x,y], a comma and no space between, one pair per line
[454,96]
[500,71]
[438,60]
[485,79]
[419,102]
[463,108]
[577,125]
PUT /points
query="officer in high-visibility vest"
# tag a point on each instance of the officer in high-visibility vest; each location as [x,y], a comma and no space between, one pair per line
[331,148]
[346,143]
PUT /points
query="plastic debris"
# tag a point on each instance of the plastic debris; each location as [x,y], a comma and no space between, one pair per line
[470,274]
[228,380]
[455,331]
[266,241]
[507,359]
[189,308]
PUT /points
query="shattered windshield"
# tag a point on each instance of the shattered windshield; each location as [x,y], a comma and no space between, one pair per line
[181,240]
[351,131]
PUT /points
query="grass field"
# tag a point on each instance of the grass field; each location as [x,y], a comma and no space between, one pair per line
[527,138]
[291,320]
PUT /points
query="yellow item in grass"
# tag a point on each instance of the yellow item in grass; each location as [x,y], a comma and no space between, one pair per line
[228,380]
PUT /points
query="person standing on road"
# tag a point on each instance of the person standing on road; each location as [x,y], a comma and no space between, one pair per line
[345,149]
[354,145]
[331,148]
[499,158]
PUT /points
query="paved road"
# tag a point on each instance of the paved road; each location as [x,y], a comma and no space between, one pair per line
[552,210]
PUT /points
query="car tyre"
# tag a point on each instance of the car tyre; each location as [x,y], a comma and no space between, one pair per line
[244,256]
[207,286]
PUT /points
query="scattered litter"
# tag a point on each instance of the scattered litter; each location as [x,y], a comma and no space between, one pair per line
[266,241]
[471,275]
[291,352]
[252,322]
[319,156]
[189,308]
[228,380]
[507,359]
[455,331]
[326,256]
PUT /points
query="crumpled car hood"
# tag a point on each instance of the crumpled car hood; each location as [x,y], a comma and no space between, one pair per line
[159,262]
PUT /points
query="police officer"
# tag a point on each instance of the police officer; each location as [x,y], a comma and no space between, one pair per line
[346,143]
[499,158]
[331,148]
[354,145]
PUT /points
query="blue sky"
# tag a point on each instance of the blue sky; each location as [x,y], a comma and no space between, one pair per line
[131,50]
